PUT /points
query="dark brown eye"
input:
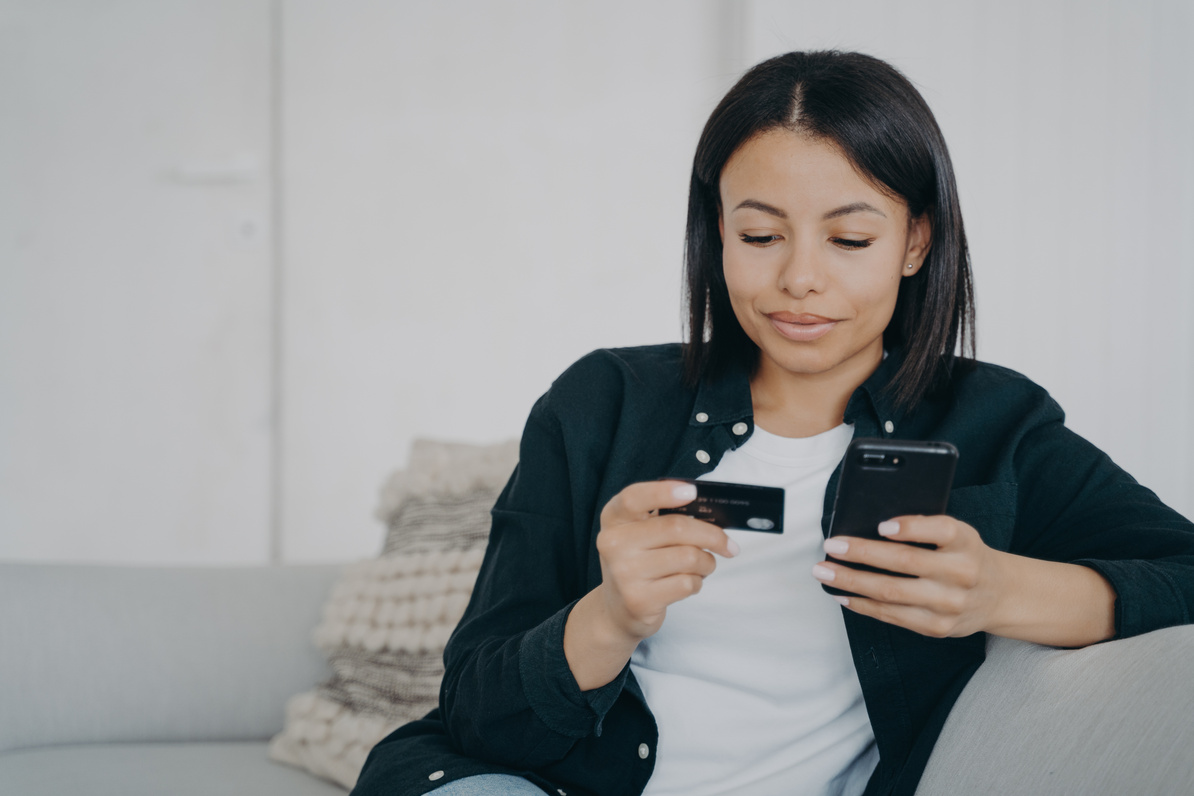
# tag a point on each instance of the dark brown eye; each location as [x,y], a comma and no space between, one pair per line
[759,240]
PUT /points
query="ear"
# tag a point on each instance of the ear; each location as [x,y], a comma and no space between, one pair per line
[721,227]
[920,236]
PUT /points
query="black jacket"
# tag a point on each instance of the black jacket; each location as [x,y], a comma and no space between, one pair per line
[509,702]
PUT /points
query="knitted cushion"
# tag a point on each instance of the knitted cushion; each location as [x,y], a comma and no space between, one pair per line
[385,626]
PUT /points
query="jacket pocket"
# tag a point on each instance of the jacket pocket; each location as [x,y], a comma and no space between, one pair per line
[989,508]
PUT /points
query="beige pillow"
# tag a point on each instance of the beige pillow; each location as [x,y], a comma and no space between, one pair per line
[387,621]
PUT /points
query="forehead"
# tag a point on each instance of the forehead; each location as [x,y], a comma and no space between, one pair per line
[799,173]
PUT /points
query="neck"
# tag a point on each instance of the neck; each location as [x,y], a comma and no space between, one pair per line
[805,404]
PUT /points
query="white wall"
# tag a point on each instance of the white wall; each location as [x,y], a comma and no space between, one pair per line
[473,194]
[135,282]
[477,194]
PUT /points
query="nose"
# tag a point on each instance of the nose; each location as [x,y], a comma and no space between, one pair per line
[802,273]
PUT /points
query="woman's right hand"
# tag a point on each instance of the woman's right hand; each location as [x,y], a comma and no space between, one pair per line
[648,562]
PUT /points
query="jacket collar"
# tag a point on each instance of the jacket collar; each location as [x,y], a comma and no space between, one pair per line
[726,399]
[872,395]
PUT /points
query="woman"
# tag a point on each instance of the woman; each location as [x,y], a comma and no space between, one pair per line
[609,649]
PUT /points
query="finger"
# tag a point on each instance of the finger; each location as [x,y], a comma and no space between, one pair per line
[675,560]
[884,588]
[626,542]
[637,501]
[914,618]
[680,529]
[892,556]
[937,529]
[676,587]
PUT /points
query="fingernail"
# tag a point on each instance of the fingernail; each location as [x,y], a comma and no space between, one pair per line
[840,599]
[836,545]
[733,547]
[822,573]
[889,528]
[685,492]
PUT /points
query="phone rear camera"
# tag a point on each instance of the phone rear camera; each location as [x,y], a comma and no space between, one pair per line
[877,460]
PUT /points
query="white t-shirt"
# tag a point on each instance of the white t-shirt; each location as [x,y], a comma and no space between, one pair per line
[751,680]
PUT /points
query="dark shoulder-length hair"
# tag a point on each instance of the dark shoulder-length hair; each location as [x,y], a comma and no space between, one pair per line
[884,127]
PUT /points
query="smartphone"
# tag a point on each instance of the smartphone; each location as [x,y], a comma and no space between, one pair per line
[882,479]
[743,507]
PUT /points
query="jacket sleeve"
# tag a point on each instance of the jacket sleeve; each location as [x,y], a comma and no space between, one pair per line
[508,695]
[1076,505]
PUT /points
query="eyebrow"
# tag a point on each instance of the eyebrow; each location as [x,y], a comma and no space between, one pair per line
[755,204]
[844,210]
[857,207]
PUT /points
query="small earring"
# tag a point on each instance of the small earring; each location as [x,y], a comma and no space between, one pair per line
[909,265]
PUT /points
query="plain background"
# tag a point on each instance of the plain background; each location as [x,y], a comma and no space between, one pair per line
[250,249]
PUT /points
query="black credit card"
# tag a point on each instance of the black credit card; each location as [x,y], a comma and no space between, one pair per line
[743,507]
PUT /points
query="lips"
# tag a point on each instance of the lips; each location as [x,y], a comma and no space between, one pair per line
[802,318]
[801,327]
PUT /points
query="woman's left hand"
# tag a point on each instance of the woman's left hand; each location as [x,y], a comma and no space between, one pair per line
[956,590]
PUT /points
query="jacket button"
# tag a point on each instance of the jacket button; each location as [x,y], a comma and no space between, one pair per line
[434,775]
[739,428]
[702,457]
[643,751]
[889,426]
[701,417]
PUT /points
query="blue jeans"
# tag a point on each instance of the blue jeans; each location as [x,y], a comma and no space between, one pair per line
[488,785]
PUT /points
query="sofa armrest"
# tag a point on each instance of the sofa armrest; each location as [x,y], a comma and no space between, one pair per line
[1111,718]
[105,653]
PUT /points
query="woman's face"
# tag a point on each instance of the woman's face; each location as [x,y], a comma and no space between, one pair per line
[813,254]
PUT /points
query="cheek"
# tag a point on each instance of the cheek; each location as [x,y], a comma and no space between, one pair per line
[736,278]
[741,280]
[873,295]
[744,283]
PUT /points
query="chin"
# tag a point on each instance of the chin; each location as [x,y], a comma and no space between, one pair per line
[815,357]
[811,360]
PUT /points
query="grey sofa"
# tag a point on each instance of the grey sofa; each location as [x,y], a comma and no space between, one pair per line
[131,681]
